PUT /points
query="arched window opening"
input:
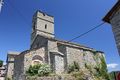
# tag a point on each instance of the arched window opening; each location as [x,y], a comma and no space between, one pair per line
[37,57]
[37,60]
[45,26]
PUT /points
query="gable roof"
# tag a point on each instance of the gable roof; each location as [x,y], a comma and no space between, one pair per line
[13,53]
[67,43]
[114,9]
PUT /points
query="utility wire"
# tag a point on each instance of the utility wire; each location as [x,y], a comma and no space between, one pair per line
[85,33]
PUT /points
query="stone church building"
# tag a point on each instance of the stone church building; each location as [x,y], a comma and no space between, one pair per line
[45,48]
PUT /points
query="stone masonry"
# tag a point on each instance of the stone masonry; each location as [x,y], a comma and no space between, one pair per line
[10,64]
[46,49]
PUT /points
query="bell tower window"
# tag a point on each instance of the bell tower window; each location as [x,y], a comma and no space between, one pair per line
[34,26]
[45,26]
[43,14]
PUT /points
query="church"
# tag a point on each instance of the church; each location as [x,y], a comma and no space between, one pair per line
[45,48]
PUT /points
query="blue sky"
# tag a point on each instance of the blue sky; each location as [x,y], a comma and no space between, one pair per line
[72,17]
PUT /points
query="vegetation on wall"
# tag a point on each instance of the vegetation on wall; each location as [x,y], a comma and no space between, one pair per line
[44,70]
[39,70]
[112,75]
[74,67]
[95,72]
[8,78]
[103,69]
[98,72]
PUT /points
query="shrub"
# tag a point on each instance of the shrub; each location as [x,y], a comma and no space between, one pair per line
[39,70]
[103,69]
[33,70]
[79,75]
[44,70]
[8,78]
[73,67]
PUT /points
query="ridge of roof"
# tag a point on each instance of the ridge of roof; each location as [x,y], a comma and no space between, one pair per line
[64,42]
[13,53]
[70,43]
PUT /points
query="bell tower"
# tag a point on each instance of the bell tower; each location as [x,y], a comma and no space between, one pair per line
[42,24]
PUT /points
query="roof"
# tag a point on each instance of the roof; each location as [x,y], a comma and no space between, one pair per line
[114,9]
[2,68]
[67,43]
[63,42]
[38,11]
[13,53]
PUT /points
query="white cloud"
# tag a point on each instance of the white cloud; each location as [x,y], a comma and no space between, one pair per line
[113,65]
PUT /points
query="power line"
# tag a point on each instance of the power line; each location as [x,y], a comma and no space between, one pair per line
[85,33]
[82,34]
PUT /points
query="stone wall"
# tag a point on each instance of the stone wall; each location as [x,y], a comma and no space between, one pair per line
[51,78]
[28,57]
[25,59]
[83,56]
[10,64]
[19,66]
[59,55]
[10,70]
[39,42]
[74,54]
[62,49]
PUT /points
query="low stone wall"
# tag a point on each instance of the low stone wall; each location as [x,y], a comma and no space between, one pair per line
[50,78]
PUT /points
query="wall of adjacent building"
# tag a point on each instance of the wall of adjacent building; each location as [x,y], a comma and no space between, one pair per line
[18,66]
[115,22]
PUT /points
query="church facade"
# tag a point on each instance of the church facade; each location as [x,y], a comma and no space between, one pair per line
[45,48]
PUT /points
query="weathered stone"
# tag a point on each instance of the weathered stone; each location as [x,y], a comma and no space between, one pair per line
[58,54]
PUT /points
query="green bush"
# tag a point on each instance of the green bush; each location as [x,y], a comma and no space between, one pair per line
[103,70]
[1,63]
[33,70]
[74,67]
[44,70]
[39,70]
[79,75]
[8,78]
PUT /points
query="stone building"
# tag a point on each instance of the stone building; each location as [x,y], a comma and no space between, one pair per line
[113,18]
[2,72]
[10,63]
[45,48]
